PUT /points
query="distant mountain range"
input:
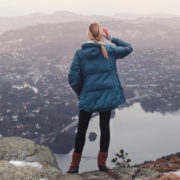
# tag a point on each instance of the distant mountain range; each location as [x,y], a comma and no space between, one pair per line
[68,35]
[150,15]
[18,22]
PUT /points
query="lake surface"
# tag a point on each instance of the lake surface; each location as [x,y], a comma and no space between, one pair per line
[143,135]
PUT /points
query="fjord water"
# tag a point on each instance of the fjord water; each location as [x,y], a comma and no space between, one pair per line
[143,135]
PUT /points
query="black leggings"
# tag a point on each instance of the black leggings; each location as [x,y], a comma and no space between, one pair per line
[84,118]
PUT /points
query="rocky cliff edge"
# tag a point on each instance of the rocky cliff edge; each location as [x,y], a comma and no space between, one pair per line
[21,158]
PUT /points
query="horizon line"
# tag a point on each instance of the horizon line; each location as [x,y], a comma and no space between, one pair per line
[93,14]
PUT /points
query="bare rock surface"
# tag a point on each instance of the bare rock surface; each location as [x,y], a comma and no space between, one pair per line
[17,148]
[118,173]
[22,159]
[9,171]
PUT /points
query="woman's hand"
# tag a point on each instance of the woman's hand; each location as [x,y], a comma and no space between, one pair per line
[107,35]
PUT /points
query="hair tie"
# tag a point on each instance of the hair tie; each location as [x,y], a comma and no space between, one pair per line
[100,43]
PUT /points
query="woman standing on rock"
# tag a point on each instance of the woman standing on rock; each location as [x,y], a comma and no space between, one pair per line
[93,77]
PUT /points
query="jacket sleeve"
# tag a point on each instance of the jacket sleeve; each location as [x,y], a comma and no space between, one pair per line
[74,75]
[121,49]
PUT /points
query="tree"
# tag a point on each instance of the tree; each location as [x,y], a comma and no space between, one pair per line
[123,156]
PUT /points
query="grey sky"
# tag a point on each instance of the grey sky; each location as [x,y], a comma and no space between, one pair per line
[87,7]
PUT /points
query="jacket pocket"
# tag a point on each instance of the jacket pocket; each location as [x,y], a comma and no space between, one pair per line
[99,81]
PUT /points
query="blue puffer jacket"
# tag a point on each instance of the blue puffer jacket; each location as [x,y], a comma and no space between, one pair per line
[94,78]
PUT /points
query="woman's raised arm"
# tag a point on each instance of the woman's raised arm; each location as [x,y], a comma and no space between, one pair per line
[121,49]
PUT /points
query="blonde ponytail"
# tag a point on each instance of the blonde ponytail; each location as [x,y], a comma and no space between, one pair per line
[95,33]
[104,52]
[103,49]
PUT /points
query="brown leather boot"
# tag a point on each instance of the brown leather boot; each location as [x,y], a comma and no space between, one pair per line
[74,167]
[102,157]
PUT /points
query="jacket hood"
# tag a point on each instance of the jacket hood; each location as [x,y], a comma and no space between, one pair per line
[91,49]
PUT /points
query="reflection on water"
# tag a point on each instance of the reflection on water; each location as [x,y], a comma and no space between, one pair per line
[145,136]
